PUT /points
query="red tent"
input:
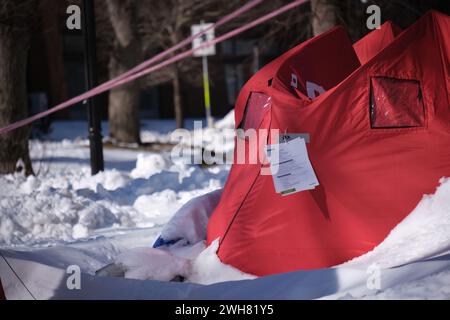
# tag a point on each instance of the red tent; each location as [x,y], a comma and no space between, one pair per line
[374,42]
[379,140]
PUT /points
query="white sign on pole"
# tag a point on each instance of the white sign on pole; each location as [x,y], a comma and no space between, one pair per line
[207,37]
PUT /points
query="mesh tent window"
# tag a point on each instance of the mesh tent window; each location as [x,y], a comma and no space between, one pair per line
[258,105]
[396,103]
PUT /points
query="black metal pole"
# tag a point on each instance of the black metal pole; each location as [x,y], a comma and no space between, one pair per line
[90,54]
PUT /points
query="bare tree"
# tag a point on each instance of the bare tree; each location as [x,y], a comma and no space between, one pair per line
[51,14]
[16,17]
[126,53]
[324,15]
[169,23]
[142,28]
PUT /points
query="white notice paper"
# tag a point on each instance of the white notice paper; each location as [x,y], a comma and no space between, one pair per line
[292,171]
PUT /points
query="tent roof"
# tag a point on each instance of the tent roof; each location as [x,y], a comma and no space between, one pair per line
[369,46]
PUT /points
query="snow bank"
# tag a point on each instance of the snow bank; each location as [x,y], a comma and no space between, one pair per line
[33,210]
[148,165]
[64,203]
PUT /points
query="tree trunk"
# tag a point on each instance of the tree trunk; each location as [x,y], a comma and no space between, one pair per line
[124,123]
[123,110]
[14,47]
[50,10]
[177,103]
[324,15]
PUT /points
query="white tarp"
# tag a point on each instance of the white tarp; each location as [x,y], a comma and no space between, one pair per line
[48,282]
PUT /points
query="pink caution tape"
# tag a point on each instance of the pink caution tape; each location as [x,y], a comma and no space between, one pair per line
[146,68]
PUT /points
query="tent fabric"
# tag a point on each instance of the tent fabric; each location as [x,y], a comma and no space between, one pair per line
[257,107]
[371,176]
[319,64]
[377,40]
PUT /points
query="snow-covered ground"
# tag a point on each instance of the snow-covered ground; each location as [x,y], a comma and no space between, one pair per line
[63,216]
[64,203]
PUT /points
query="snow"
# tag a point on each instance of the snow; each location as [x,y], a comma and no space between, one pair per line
[195,263]
[64,217]
[64,203]
[208,269]
[148,165]
[227,122]
[434,287]
[153,264]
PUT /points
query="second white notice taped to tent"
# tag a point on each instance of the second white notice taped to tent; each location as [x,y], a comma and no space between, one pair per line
[292,171]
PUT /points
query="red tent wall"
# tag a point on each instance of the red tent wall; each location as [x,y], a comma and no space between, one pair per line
[370,177]
[337,61]
[369,46]
[323,62]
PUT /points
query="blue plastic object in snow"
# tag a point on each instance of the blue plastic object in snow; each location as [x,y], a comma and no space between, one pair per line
[160,242]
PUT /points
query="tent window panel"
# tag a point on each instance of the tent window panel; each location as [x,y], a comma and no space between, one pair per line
[258,105]
[396,103]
